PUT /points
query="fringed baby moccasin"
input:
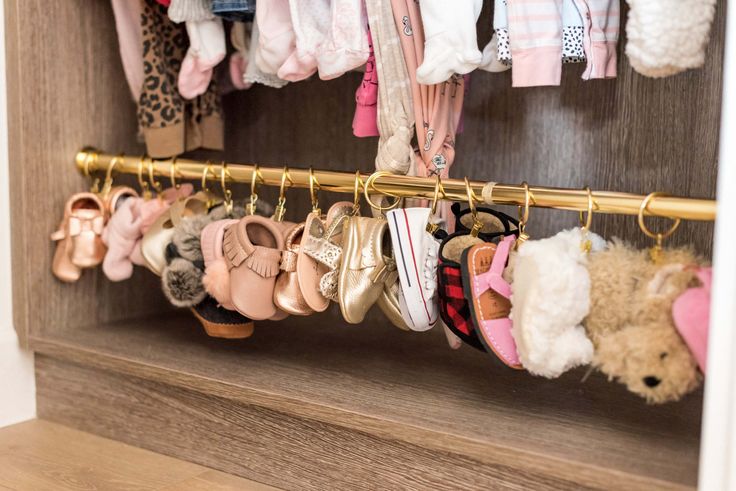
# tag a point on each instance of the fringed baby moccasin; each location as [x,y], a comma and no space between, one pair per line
[252,249]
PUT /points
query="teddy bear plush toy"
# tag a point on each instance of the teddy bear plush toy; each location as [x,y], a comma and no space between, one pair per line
[630,320]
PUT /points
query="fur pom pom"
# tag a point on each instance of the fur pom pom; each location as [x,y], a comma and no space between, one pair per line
[182,283]
[216,281]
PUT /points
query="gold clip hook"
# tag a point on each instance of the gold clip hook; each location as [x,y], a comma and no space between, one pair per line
[357,184]
[91,156]
[251,208]
[226,193]
[586,221]
[439,192]
[524,215]
[173,171]
[280,211]
[107,185]
[156,185]
[370,185]
[477,224]
[205,189]
[145,189]
[656,251]
[312,193]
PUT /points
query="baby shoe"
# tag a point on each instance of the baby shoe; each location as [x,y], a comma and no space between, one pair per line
[416,254]
[454,308]
[252,249]
[116,197]
[495,223]
[365,267]
[391,302]
[120,236]
[320,255]
[222,323]
[79,237]
[159,235]
[288,295]
[488,297]
[216,279]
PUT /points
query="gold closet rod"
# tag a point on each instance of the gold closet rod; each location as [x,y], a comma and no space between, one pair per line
[90,161]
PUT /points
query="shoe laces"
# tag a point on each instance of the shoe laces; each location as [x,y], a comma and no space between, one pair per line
[430,272]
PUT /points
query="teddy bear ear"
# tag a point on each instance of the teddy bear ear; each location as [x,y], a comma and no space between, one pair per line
[660,286]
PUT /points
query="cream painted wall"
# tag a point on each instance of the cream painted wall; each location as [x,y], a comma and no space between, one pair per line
[17,385]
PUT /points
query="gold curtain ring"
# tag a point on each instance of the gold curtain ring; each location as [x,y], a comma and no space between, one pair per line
[524,212]
[156,185]
[312,193]
[587,221]
[370,184]
[205,171]
[477,224]
[107,185]
[250,208]
[145,189]
[357,184]
[173,171]
[226,193]
[280,209]
[657,236]
[92,156]
[439,191]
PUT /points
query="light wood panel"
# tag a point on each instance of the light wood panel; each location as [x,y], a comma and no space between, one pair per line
[394,385]
[66,89]
[282,450]
[39,455]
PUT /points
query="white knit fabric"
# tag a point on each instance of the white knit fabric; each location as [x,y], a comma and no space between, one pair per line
[311,23]
[346,45]
[666,37]
[450,45]
[185,10]
[253,74]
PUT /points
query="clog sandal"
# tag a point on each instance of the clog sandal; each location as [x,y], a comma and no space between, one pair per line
[495,223]
[320,255]
[488,296]
[252,249]
[222,323]
[288,295]
[79,237]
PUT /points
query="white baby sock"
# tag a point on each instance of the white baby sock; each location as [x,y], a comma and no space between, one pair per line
[450,45]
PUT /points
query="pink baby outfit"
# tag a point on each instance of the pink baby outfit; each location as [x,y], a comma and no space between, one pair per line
[535,38]
[365,122]
[691,313]
[600,28]
[437,108]
[346,45]
[276,37]
[311,21]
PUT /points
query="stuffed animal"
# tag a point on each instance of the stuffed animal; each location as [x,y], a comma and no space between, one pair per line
[630,320]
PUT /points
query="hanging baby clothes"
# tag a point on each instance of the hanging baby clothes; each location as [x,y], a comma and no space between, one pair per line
[130,41]
[451,45]
[206,49]
[395,105]
[186,10]
[310,20]
[600,29]
[253,74]
[346,45]
[535,37]
[234,10]
[240,33]
[276,37]
[170,124]
[438,107]
[365,121]
[573,50]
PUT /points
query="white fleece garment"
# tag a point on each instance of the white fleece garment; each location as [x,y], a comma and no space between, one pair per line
[450,45]
[666,37]
[550,298]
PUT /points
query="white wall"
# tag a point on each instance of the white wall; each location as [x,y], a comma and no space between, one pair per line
[17,385]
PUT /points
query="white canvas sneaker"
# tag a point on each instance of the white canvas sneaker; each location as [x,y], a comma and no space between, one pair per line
[415,251]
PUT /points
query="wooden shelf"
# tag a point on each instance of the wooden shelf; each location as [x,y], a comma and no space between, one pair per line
[412,388]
